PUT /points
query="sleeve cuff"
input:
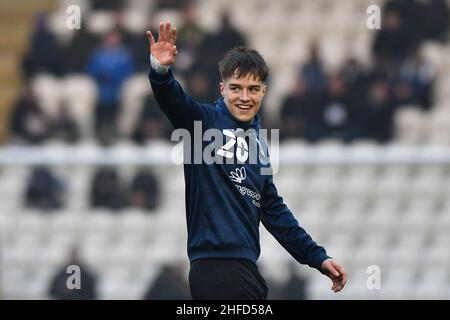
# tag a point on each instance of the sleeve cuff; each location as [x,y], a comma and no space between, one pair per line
[320,259]
[157,66]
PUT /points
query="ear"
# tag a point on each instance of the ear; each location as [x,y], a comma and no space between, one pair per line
[264,90]
[222,88]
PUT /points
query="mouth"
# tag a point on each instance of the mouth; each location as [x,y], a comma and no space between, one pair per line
[243,106]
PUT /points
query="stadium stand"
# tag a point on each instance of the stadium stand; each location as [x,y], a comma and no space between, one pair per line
[367,202]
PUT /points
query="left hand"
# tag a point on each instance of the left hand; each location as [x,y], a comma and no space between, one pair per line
[336,273]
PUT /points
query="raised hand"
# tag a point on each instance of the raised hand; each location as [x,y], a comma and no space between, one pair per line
[165,50]
[336,273]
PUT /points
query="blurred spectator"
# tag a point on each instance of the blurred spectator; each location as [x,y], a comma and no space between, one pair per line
[169,284]
[418,76]
[298,113]
[110,66]
[113,5]
[295,286]
[58,288]
[378,112]
[152,123]
[28,123]
[356,79]
[144,191]
[107,190]
[213,48]
[64,127]
[200,88]
[44,53]
[425,19]
[215,45]
[435,19]
[172,4]
[126,36]
[44,190]
[275,288]
[226,37]
[312,71]
[189,37]
[337,113]
[140,48]
[79,50]
[394,41]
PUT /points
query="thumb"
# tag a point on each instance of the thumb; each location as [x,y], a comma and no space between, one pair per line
[150,38]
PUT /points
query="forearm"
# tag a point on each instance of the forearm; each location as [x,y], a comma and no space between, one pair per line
[171,98]
[285,228]
[281,223]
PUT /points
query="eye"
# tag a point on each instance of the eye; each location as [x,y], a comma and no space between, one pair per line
[254,90]
[235,89]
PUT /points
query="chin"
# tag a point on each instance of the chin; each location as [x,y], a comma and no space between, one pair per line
[245,119]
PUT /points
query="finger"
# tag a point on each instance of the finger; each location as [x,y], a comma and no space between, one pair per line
[150,38]
[173,36]
[338,286]
[335,284]
[333,271]
[343,274]
[338,267]
[344,278]
[174,50]
[340,283]
[166,31]
[161,32]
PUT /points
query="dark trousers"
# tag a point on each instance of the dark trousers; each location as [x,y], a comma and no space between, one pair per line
[105,123]
[226,279]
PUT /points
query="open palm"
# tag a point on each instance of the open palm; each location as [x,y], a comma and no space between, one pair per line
[164,50]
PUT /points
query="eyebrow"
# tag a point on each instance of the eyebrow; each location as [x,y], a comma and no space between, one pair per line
[250,86]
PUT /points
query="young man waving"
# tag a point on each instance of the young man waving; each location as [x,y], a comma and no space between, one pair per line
[226,200]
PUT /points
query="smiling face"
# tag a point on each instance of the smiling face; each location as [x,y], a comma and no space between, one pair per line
[243,95]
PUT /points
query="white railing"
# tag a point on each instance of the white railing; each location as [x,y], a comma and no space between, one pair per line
[165,153]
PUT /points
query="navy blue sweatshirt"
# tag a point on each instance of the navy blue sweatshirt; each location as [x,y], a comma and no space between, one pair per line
[226,202]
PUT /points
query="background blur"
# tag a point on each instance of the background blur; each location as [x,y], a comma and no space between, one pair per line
[86,175]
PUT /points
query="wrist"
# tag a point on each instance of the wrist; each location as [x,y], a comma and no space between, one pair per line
[157,66]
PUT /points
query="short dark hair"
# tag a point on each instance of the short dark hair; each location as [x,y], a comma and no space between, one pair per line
[243,61]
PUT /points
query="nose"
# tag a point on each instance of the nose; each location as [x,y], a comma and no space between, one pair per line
[244,95]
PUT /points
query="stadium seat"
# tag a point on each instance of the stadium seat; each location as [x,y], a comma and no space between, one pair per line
[391,186]
[437,255]
[442,222]
[409,123]
[384,217]
[348,220]
[80,93]
[113,284]
[433,283]
[403,254]
[100,22]
[48,92]
[398,282]
[136,19]
[133,91]
[57,24]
